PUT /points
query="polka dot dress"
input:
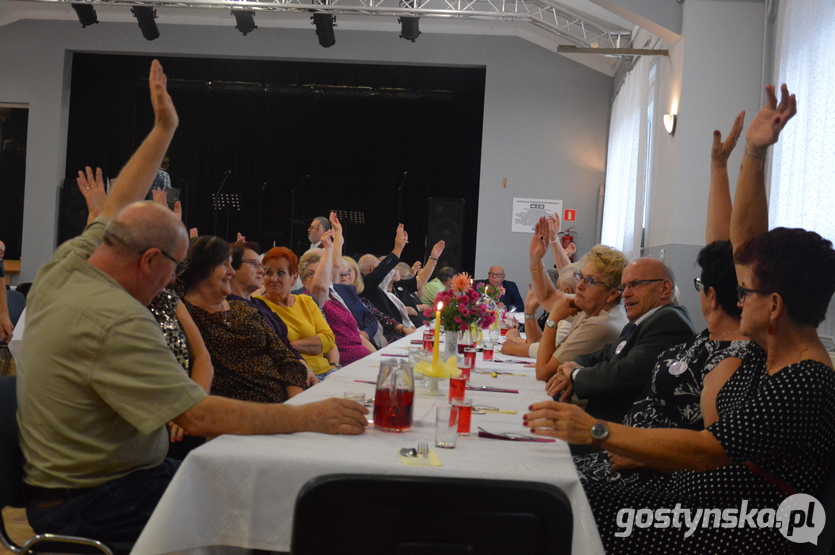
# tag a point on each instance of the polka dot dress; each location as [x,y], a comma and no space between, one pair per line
[671,399]
[785,423]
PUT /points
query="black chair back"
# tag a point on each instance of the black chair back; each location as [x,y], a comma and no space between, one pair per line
[416,515]
[17,302]
[11,459]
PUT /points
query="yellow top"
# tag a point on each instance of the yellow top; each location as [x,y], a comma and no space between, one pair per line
[304,319]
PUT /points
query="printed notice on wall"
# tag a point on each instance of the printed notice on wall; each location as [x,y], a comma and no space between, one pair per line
[527,211]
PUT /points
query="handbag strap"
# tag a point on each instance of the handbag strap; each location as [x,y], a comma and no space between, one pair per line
[771,478]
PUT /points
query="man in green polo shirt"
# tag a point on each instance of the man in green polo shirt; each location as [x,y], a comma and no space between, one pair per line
[97,383]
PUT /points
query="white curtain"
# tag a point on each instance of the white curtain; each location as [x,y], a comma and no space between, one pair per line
[623,207]
[803,162]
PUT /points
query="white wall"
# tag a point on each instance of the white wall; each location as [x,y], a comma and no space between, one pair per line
[545,122]
[712,73]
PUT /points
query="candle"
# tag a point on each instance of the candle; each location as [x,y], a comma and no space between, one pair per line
[436,350]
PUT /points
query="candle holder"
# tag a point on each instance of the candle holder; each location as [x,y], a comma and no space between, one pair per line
[433,388]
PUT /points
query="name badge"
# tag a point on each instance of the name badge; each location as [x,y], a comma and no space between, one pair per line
[620,347]
[678,367]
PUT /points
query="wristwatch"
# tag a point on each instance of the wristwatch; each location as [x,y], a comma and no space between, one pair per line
[551,324]
[599,432]
[336,365]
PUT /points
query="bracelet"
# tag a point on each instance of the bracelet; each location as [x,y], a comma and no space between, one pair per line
[754,154]
[552,242]
[530,316]
[433,258]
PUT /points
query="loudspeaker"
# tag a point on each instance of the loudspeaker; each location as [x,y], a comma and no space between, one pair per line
[72,211]
[446,221]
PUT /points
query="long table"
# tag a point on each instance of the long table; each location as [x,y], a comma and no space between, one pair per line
[238,492]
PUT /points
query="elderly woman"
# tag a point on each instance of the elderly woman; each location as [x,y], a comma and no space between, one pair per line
[307,329]
[599,313]
[776,430]
[315,268]
[250,361]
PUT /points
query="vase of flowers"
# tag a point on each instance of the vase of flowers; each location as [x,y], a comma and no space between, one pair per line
[461,310]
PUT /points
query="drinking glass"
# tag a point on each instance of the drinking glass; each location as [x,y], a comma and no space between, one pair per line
[465,412]
[446,426]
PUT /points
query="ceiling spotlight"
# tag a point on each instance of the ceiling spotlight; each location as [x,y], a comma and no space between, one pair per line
[86,14]
[409,28]
[146,16]
[245,21]
[324,28]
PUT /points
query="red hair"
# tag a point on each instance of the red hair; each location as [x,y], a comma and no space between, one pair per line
[283,252]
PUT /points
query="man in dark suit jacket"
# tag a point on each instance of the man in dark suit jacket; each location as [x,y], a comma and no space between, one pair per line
[613,377]
[511,297]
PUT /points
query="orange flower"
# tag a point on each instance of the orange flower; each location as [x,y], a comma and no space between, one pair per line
[461,282]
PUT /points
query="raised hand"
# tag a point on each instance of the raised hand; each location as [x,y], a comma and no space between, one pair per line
[327,239]
[400,239]
[720,151]
[239,240]
[336,225]
[92,188]
[539,245]
[553,228]
[766,126]
[160,197]
[164,112]
[415,268]
[178,210]
[438,249]
[192,233]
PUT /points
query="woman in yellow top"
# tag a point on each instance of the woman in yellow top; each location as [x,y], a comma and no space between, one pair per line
[307,329]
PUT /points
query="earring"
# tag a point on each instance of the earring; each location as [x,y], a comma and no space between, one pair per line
[770,329]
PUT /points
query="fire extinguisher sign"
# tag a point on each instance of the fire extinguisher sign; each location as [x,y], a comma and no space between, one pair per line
[527,211]
[569,215]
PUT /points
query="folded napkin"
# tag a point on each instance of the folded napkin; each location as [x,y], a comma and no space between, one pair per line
[513,437]
[429,460]
[448,369]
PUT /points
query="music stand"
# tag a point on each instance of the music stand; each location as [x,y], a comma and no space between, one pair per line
[228,202]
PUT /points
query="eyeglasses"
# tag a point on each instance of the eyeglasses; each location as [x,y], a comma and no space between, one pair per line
[254,262]
[181,266]
[697,283]
[495,275]
[109,237]
[743,292]
[635,283]
[588,280]
[345,275]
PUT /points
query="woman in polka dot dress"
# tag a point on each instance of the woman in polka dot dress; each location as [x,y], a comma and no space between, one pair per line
[776,430]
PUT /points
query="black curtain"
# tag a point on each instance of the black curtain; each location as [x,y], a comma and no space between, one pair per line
[355,129]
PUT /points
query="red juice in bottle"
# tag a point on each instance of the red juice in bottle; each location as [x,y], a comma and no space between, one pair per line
[393,413]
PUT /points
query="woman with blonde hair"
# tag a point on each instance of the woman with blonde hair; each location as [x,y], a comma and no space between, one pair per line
[596,303]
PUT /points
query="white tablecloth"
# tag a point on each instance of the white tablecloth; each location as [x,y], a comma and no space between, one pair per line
[239,491]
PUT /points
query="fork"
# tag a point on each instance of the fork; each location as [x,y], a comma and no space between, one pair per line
[423,449]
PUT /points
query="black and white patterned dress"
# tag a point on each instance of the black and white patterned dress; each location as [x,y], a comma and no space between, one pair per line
[784,422]
[672,399]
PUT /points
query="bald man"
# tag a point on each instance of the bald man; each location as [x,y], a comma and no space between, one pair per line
[99,384]
[613,377]
[511,297]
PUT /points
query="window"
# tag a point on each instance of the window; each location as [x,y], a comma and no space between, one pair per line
[803,168]
[623,207]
